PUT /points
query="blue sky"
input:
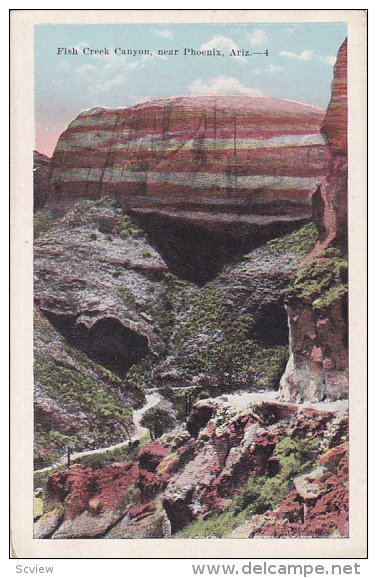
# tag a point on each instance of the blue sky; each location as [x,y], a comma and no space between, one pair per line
[299,66]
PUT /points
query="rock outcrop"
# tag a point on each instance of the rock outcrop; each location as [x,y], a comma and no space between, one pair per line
[254,461]
[330,198]
[42,175]
[207,176]
[93,275]
[318,306]
[76,401]
[99,291]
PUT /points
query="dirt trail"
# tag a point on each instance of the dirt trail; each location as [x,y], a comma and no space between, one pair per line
[152,399]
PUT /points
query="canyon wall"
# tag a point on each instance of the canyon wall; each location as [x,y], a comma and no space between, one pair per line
[208,177]
[317,304]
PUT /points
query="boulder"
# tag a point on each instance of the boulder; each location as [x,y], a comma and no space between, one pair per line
[48,523]
[150,521]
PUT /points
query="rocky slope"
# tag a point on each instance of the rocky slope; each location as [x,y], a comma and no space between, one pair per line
[243,466]
[99,290]
[108,301]
[94,272]
[208,177]
[76,401]
[318,306]
[233,332]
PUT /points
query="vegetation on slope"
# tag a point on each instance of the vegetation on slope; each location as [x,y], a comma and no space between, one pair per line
[321,280]
[259,493]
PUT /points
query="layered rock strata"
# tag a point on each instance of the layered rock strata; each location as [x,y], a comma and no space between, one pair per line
[208,177]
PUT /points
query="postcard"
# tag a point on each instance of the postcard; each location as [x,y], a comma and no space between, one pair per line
[189,278]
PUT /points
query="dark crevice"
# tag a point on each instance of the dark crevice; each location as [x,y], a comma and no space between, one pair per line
[107,341]
[197,254]
[271,326]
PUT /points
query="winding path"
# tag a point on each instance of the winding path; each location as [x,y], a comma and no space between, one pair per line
[237,400]
[152,399]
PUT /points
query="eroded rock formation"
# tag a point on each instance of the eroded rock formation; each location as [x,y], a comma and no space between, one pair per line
[93,273]
[76,401]
[318,307]
[208,177]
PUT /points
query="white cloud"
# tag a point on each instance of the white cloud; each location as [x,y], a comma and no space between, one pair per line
[304,55]
[221,42]
[164,33]
[111,70]
[270,69]
[86,69]
[257,37]
[222,85]
[330,60]
[81,45]
[103,87]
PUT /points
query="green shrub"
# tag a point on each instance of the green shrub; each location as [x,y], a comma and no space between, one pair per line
[127,295]
[138,377]
[262,493]
[172,300]
[125,227]
[93,236]
[78,390]
[300,241]
[230,351]
[159,419]
[218,526]
[321,280]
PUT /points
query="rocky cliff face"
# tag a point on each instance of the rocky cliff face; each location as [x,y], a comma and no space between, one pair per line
[208,177]
[330,198]
[76,401]
[317,307]
[99,287]
[42,175]
[93,274]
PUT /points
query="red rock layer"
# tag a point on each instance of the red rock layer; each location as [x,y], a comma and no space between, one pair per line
[193,157]
[180,478]
[335,122]
[330,198]
[318,366]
